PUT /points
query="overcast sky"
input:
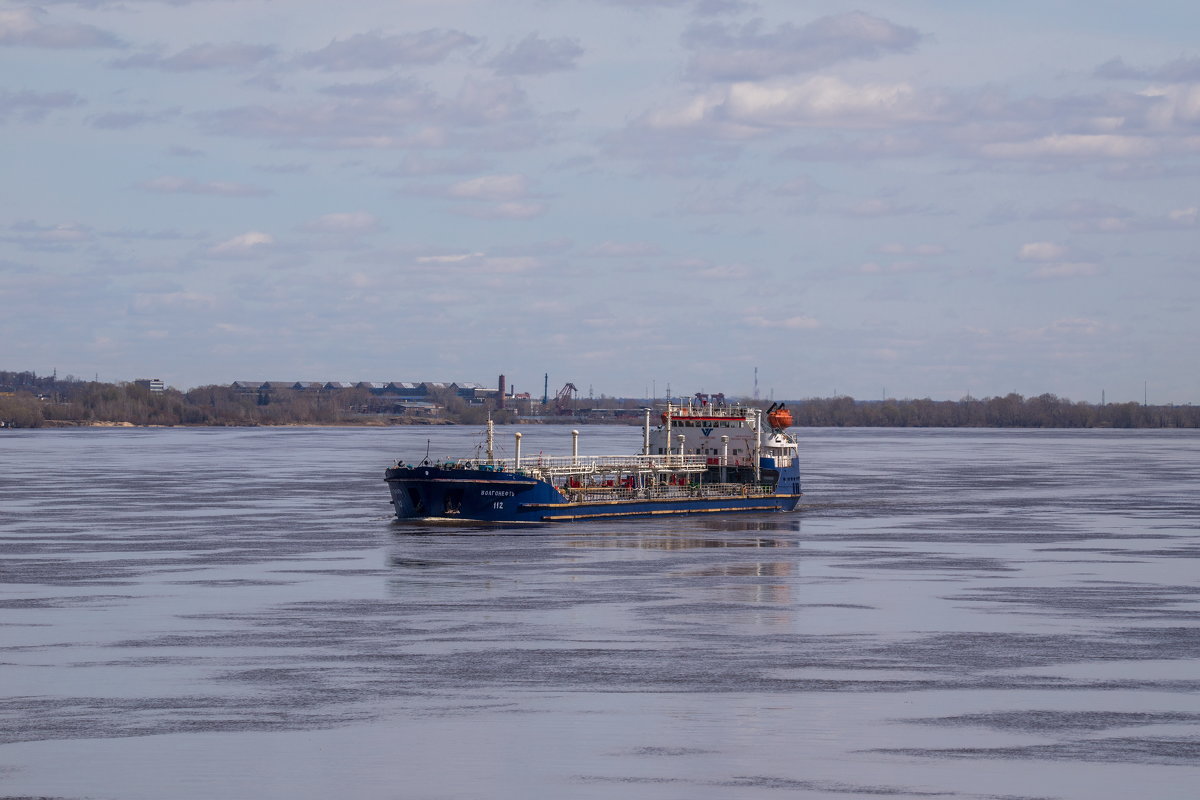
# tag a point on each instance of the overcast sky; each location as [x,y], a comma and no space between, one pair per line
[923,199]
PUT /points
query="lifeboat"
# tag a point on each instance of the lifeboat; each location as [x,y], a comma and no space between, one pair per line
[779,419]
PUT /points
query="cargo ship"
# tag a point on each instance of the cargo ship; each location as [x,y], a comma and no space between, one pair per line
[703,456]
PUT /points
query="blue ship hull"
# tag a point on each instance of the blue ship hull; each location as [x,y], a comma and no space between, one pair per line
[484,495]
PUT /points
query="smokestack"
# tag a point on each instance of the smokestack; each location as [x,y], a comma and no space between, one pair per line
[500,394]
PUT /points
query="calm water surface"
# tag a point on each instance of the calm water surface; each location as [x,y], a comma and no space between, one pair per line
[962,614]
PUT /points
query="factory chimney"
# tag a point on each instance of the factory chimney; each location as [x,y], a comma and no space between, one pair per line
[500,394]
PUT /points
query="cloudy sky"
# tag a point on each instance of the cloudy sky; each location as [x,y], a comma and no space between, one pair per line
[923,199]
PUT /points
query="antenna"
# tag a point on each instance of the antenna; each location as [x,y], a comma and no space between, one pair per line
[756,384]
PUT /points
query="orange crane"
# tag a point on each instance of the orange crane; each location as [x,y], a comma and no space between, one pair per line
[562,400]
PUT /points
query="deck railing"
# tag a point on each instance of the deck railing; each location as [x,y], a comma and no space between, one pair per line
[582,465]
[593,494]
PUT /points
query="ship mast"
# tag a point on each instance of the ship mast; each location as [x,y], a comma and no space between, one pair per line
[668,430]
[757,442]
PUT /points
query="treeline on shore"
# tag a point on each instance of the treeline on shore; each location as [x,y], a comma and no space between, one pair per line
[30,401]
[1010,411]
[73,402]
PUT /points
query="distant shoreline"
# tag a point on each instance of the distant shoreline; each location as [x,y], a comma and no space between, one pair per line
[69,424]
[32,402]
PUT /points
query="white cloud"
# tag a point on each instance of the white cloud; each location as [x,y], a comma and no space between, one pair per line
[797,322]
[171,184]
[34,236]
[490,187]
[485,114]
[891,268]
[874,144]
[452,258]
[884,207]
[345,223]
[820,98]
[509,265]
[1083,209]
[505,210]
[481,264]
[895,248]
[1054,261]
[201,57]
[1042,251]
[625,250]
[1066,328]
[1074,146]
[35,106]
[488,101]
[29,27]
[144,302]
[699,268]
[1066,269]
[245,245]
[747,52]
[235,329]
[1184,216]
[495,197]
[414,164]
[1103,225]
[747,109]
[1181,70]
[534,55]
[1174,106]
[376,50]
[122,120]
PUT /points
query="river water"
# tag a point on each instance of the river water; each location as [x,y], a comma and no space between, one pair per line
[203,613]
